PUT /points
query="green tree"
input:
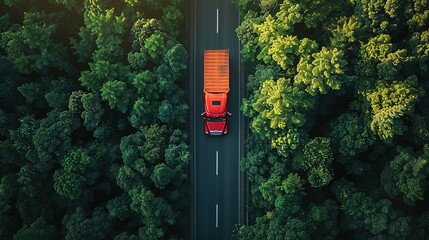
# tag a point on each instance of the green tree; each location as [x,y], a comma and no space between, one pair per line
[88,106]
[346,33]
[154,46]
[375,216]
[126,236]
[171,113]
[92,112]
[101,72]
[101,35]
[283,50]
[176,58]
[419,48]
[257,167]
[270,189]
[317,159]
[155,141]
[178,156]
[117,94]
[30,47]
[379,16]
[58,94]
[350,135]
[69,4]
[119,207]
[407,173]
[85,46]
[161,175]
[155,210]
[37,230]
[33,91]
[145,146]
[420,130]
[71,178]
[322,72]
[325,218]
[248,36]
[378,47]
[9,217]
[81,225]
[245,5]
[22,137]
[420,229]
[68,184]
[172,16]
[141,30]
[280,106]
[127,178]
[391,101]
[166,78]
[142,113]
[290,13]
[145,84]
[53,138]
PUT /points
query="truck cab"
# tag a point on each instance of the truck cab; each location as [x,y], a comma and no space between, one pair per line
[215,115]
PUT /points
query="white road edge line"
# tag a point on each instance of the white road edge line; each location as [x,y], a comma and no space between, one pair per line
[217,215]
[194,117]
[239,124]
[217,163]
[217,20]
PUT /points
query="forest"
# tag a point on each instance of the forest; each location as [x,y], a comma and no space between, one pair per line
[93,140]
[93,133]
[338,146]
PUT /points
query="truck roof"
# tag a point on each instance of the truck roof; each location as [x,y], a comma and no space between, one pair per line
[216,71]
[215,104]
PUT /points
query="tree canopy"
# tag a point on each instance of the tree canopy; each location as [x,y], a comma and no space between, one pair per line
[92,113]
[338,118]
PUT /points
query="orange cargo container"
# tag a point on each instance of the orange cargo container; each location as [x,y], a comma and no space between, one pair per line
[216,71]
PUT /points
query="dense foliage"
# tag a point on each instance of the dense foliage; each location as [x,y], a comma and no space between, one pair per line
[92,112]
[339,119]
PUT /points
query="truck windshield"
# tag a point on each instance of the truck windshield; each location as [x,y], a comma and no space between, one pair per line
[218,119]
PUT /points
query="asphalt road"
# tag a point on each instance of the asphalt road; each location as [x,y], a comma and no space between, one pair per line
[217,191]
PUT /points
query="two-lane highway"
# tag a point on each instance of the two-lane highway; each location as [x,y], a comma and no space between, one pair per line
[215,175]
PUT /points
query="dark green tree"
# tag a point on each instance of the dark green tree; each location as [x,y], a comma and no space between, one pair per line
[247,35]
[119,207]
[407,173]
[117,94]
[154,210]
[37,230]
[375,216]
[30,47]
[316,159]
[350,135]
[72,178]
[9,217]
[81,225]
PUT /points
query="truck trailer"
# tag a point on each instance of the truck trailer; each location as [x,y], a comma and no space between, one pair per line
[215,93]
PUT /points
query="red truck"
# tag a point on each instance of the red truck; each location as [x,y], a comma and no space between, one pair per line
[215,94]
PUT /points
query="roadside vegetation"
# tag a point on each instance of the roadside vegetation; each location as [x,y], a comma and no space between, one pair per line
[338,146]
[93,141]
